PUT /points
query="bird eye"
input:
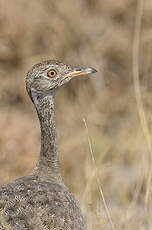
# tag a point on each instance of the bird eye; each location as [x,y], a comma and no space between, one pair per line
[51,73]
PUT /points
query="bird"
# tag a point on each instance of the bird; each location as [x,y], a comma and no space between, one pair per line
[41,200]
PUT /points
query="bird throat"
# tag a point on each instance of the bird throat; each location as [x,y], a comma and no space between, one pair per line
[47,167]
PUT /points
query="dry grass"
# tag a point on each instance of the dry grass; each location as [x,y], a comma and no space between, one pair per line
[116,103]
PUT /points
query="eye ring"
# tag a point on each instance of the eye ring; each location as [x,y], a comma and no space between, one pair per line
[51,73]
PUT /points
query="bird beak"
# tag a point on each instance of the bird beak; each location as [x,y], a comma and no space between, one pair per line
[80,71]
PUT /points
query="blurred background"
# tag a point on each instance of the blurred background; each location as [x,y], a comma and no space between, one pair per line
[82,33]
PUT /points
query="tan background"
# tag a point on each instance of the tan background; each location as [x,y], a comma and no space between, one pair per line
[89,32]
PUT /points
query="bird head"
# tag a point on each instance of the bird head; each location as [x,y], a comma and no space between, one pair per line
[47,77]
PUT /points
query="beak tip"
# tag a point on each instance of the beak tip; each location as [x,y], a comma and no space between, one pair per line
[90,70]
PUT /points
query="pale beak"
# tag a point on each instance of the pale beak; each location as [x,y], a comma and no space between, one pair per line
[80,71]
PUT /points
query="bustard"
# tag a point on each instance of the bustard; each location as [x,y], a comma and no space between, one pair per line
[41,200]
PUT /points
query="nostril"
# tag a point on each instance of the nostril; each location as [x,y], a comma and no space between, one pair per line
[78,69]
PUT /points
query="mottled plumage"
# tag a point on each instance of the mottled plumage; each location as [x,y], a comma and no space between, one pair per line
[41,200]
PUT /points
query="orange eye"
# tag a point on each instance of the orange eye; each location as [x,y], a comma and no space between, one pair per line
[51,73]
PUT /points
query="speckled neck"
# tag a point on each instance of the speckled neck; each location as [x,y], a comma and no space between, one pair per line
[47,167]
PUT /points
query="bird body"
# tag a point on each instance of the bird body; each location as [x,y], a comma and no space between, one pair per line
[32,203]
[41,200]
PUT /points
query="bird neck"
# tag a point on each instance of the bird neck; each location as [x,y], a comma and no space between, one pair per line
[47,167]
